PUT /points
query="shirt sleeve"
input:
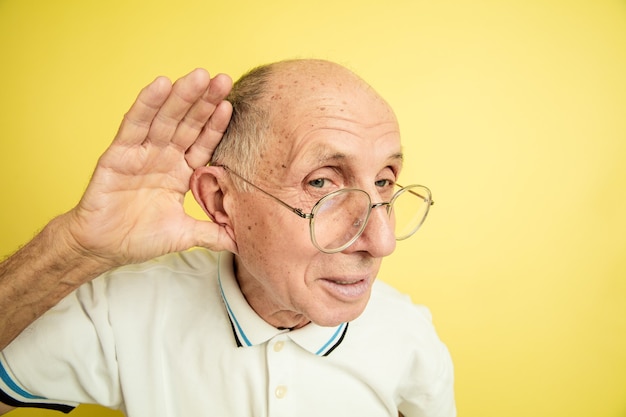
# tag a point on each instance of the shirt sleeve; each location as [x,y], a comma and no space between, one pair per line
[428,388]
[64,358]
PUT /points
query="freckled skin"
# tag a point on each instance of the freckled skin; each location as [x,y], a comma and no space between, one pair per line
[321,106]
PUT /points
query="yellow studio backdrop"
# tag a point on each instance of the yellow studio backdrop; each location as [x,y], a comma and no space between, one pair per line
[514,113]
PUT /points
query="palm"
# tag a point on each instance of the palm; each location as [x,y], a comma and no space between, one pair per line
[132,209]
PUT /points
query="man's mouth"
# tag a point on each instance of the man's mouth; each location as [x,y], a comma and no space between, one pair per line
[346,282]
[347,289]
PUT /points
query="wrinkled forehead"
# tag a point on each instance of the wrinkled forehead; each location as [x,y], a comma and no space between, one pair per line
[327,113]
[320,93]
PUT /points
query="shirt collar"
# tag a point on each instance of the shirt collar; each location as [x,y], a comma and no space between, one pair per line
[249,329]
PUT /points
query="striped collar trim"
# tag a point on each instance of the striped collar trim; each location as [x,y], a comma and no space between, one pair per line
[249,329]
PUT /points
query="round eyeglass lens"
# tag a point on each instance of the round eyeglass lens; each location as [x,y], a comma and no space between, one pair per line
[409,208]
[339,218]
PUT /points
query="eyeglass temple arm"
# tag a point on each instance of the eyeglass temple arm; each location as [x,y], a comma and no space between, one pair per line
[417,194]
[298,211]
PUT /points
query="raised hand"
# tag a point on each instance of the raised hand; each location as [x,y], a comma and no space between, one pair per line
[132,209]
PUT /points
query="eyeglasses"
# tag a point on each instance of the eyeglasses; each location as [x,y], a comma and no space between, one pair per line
[338,219]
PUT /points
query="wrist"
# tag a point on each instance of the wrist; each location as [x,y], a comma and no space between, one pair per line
[81,263]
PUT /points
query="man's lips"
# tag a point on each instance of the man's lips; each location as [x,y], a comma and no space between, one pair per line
[347,289]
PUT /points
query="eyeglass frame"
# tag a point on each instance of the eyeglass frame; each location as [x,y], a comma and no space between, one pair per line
[311,216]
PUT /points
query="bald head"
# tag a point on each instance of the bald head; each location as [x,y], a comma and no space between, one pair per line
[297,79]
[268,99]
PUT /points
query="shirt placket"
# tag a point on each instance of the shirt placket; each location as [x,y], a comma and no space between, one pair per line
[280,367]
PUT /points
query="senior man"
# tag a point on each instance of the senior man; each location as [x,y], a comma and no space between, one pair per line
[278,314]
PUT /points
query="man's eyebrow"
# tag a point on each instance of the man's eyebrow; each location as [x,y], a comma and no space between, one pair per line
[322,157]
[399,156]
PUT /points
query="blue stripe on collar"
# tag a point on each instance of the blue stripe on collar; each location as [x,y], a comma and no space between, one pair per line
[334,341]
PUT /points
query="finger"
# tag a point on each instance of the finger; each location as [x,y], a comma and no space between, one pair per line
[209,235]
[137,120]
[200,153]
[185,92]
[194,121]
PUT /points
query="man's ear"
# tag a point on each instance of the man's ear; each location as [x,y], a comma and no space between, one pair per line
[206,184]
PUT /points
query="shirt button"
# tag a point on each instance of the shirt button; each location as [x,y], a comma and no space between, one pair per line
[281,391]
[278,346]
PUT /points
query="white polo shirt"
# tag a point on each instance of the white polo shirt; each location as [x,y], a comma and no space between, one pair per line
[175,337]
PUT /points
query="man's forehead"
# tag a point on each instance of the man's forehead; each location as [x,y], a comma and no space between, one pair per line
[327,153]
[329,102]
[321,99]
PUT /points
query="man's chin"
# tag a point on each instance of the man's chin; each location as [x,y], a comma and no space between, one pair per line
[333,317]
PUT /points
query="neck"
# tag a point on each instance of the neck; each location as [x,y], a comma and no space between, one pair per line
[265,305]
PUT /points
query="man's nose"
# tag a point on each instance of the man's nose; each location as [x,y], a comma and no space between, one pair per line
[378,237]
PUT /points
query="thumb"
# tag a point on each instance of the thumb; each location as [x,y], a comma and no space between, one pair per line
[212,236]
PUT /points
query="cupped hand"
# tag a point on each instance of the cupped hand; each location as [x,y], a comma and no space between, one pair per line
[132,209]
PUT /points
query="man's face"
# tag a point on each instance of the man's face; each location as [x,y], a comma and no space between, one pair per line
[330,133]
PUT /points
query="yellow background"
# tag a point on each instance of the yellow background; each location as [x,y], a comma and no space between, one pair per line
[513,112]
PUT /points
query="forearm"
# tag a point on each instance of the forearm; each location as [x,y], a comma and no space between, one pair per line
[5,409]
[39,275]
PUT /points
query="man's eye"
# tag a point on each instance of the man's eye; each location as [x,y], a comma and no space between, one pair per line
[317,183]
[383,183]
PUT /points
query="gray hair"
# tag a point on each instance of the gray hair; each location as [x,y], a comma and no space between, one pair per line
[246,137]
